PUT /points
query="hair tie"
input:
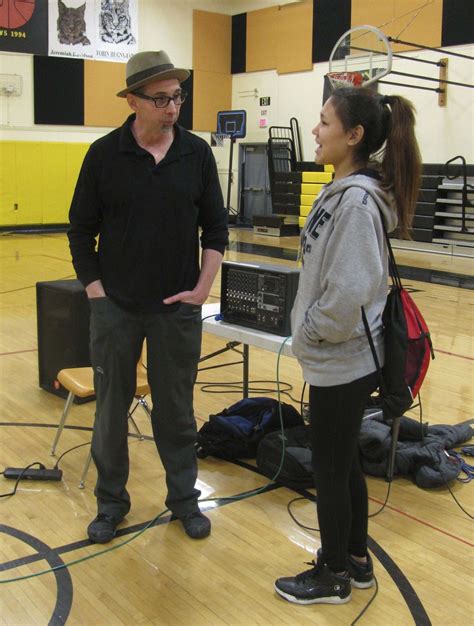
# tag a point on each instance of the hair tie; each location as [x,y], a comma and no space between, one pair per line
[385,100]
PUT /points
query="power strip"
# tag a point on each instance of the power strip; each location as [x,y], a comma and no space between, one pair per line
[33,474]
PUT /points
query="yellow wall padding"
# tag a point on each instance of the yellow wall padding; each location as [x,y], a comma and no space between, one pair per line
[301,221]
[212,92]
[295,37]
[310,189]
[102,80]
[41,191]
[280,37]
[317,177]
[305,209]
[212,37]
[75,153]
[308,199]
[329,168]
[8,213]
[404,19]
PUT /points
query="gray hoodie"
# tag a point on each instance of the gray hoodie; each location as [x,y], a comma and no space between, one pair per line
[345,266]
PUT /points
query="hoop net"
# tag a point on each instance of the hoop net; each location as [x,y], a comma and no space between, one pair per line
[345,79]
[219,139]
[364,51]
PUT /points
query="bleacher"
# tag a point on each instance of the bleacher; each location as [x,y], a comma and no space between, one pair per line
[294,183]
[444,212]
[295,192]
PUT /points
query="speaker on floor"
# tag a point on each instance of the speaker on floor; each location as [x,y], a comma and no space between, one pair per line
[63,316]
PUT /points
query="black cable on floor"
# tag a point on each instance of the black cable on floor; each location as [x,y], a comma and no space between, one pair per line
[238,387]
[314,499]
[385,503]
[458,503]
[88,443]
[368,603]
[288,506]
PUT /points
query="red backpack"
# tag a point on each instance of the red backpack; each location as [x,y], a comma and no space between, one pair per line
[408,347]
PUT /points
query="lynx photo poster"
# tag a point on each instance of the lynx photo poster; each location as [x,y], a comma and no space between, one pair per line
[105,30]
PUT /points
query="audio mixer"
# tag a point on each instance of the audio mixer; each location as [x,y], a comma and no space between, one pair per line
[258,296]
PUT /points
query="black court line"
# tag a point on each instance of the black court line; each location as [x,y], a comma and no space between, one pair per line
[438,277]
[51,555]
[408,593]
[289,254]
[424,275]
[63,578]
[413,602]
[403,585]
[39,425]
[123,532]
[70,427]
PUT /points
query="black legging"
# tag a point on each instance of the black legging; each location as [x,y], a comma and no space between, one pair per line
[336,415]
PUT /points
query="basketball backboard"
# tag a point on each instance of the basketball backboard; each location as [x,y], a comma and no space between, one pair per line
[232,123]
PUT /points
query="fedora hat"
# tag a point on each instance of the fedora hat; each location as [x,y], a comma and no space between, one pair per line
[144,67]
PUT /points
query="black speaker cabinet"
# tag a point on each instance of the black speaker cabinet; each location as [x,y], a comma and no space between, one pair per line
[63,315]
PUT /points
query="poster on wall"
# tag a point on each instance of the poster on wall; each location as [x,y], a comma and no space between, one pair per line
[105,30]
[117,35]
[71,29]
[24,26]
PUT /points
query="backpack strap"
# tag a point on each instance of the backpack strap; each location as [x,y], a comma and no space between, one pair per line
[392,264]
[396,283]
[372,346]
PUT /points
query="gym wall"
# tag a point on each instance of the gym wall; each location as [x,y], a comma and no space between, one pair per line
[279,52]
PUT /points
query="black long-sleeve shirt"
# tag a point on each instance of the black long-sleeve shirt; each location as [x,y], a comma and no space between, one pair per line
[147,217]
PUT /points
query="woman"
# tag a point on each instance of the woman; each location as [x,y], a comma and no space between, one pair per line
[344,267]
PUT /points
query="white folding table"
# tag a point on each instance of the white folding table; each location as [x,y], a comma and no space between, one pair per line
[236,335]
[267,341]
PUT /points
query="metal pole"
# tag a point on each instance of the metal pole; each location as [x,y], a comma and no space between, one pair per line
[401,56]
[389,82]
[417,45]
[435,80]
[229,181]
[246,370]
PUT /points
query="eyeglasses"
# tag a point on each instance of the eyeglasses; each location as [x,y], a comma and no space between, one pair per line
[162,102]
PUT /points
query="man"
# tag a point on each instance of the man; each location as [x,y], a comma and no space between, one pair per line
[145,190]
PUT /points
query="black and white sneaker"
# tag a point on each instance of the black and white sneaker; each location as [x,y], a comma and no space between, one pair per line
[316,585]
[361,574]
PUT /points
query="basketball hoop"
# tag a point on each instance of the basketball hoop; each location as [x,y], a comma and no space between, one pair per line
[364,51]
[220,140]
[217,139]
[345,79]
[231,124]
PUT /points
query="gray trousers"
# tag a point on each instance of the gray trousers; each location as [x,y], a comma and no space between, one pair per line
[173,350]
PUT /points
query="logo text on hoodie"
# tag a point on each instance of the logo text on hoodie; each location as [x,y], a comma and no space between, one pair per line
[317,221]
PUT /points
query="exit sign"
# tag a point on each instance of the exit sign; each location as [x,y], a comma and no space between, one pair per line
[264,102]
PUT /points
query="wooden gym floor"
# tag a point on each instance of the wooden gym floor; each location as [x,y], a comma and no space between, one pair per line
[421,542]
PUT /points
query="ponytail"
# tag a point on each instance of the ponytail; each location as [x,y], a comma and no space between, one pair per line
[401,163]
[389,140]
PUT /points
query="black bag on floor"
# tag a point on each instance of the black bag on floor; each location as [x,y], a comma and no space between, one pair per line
[235,432]
[296,471]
